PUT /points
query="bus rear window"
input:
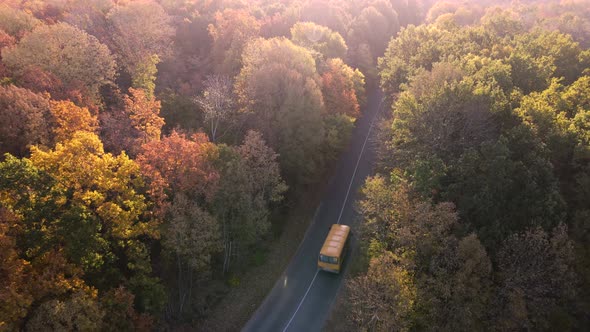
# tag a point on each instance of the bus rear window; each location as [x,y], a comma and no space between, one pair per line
[328,259]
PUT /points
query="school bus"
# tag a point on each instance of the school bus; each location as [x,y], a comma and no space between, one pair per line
[334,248]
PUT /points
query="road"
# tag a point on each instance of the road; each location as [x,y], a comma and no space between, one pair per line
[302,297]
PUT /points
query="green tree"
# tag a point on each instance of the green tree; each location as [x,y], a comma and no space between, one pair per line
[492,184]
[144,76]
[80,312]
[193,237]
[327,43]
[537,280]
[70,54]
[278,85]
[16,22]
[87,201]
[250,183]
[455,290]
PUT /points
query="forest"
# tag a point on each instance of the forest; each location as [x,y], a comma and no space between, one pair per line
[477,216]
[149,148]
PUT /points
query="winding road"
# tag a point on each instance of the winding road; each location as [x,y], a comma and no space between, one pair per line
[302,297]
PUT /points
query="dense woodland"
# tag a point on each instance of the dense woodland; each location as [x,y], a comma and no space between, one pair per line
[478,217]
[149,147]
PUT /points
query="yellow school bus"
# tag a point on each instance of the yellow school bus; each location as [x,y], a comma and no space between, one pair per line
[334,248]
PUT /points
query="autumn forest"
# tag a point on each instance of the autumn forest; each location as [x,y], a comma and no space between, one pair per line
[150,150]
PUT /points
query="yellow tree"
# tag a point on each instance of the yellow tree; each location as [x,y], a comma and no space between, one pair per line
[70,118]
[144,110]
[100,216]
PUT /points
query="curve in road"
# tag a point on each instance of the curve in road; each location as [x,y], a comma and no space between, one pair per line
[302,297]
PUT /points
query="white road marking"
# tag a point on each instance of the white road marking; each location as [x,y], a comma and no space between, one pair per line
[340,216]
[358,161]
[303,299]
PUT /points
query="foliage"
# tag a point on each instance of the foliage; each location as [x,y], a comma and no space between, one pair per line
[85,228]
[340,89]
[141,32]
[320,39]
[70,119]
[24,115]
[78,197]
[489,116]
[80,312]
[338,130]
[145,75]
[250,182]
[143,111]
[70,54]
[192,234]
[384,298]
[16,22]
[278,85]
[537,280]
[231,31]
[179,164]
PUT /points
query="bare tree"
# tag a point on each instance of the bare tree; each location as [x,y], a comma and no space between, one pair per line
[217,103]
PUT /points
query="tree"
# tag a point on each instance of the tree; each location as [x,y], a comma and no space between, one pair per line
[450,277]
[144,76]
[24,115]
[15,293]
[375,25]
[80,312]
[332,14]
[455,290]
[553,53]
[144,110]
[537,279]
[231,31]
[192,236]
[383,299]
[70,54]
[179,164]
[5,40]
[250,182]
[16,22]
[339,89]
[414,47]
[510,173]
[217,102]
[327,43]
[69,119]
[83,210]
[278,86]
[442,115]
[141,32]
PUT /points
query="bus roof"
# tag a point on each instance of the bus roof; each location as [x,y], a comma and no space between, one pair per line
[335,240]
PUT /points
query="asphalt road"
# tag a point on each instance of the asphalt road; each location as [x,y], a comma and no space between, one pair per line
[302,297]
